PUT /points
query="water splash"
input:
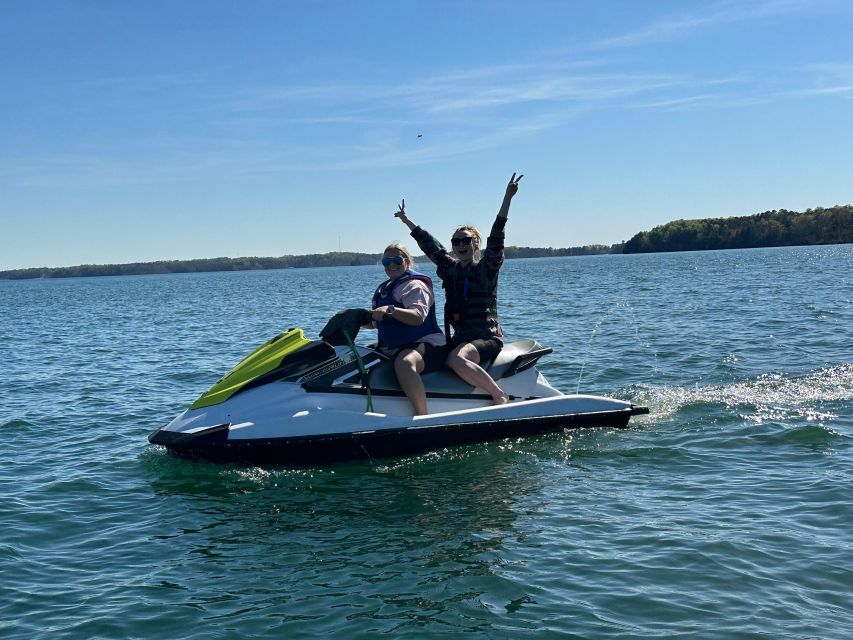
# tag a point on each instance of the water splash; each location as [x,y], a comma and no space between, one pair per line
[774,396]
[623,311]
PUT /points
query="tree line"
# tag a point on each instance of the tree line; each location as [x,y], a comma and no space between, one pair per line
[782,228]
[333,259]
[833,225]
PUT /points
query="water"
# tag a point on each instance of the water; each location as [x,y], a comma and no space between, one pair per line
[724,514]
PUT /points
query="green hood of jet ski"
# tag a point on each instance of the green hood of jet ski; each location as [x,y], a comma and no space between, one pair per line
[262,360]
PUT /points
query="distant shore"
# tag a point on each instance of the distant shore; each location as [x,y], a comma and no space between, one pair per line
[782,228]
[333,259]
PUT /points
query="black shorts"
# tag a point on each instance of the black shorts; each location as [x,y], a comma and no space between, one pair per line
[434,357]
[488,348]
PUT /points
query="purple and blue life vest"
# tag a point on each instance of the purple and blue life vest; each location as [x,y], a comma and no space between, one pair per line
[393,333]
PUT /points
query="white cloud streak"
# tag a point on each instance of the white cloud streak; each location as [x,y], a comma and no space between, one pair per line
[715,15]
[253,130]
[830,79]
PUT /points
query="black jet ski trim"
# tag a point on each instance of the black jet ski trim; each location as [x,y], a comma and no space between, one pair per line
[213,444]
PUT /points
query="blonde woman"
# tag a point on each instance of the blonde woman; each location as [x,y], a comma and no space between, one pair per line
[470,280]
[404,313]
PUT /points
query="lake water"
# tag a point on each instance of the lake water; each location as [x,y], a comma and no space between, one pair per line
[726,513]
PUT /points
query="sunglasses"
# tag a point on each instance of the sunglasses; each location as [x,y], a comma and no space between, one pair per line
[463,241]
[394,260]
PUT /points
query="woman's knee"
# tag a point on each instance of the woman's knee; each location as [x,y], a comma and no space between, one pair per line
[461,355]
[408,361]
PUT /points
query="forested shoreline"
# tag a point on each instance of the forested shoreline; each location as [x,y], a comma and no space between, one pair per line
[832,225]
[333,259]
[782,228]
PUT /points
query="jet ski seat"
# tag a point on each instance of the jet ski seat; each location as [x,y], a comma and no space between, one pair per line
[515,357]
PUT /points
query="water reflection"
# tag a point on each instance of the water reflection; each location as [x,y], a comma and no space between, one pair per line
[395,542]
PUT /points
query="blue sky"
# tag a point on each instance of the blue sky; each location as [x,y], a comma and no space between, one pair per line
[137,131]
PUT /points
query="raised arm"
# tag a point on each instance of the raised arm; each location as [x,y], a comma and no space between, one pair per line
[511,190]
[493,254]
[431,247]
[401,213]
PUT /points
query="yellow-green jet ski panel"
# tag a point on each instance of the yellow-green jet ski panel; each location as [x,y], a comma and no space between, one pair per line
[262,360]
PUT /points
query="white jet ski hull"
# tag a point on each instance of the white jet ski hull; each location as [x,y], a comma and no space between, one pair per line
[320,414]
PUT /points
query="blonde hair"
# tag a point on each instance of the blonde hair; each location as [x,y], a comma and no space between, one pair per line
[396,246]
[475,233]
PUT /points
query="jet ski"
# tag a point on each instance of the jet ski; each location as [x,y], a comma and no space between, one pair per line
[301,401]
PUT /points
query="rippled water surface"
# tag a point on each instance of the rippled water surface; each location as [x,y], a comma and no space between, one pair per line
[726,513]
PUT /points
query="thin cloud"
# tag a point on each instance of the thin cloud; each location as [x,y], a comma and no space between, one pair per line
[458,94]
[713,16]
[246,130]
[703,101]
[469,111]
[548,88]
[828,79]
[448,146]
[844,91]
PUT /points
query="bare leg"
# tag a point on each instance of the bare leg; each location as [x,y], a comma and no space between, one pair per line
[465,362]
[408,366]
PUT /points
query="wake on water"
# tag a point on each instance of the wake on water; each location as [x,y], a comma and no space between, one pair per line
[774,396]
[771,396]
